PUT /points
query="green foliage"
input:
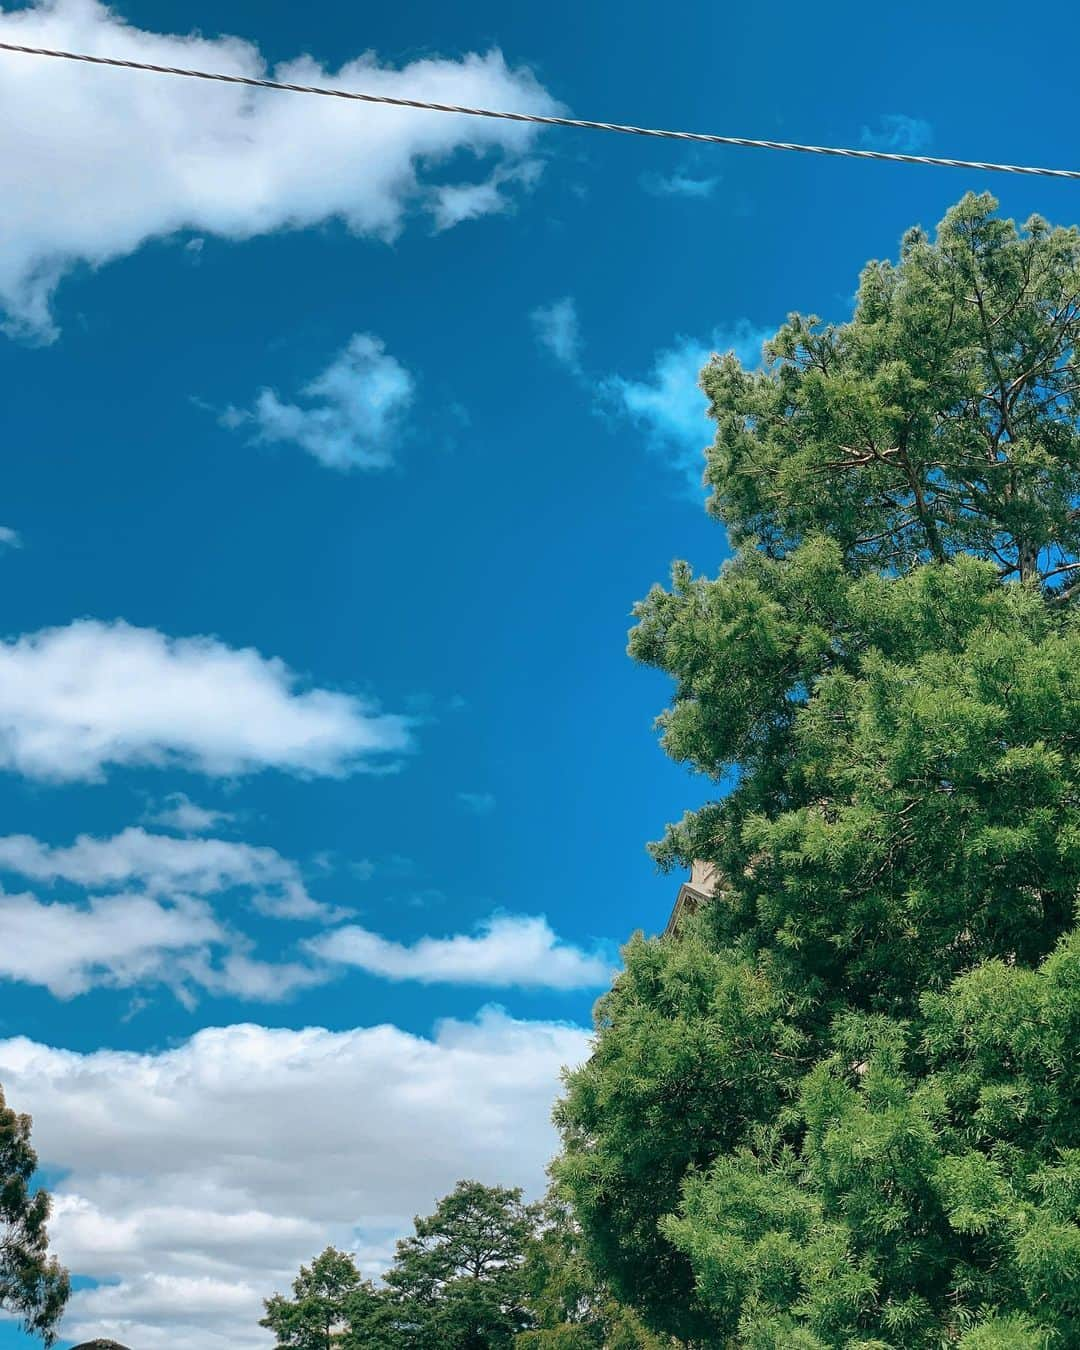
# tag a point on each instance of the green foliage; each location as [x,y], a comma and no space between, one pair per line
[693,1041]
[457,1284]
[33,1286]
[930,1180]
[572,1309]
[842,1109]
[458,1281]
[329,1306]
[941,420]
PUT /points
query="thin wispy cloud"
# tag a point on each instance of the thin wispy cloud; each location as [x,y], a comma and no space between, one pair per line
[558,331]
[140,942]
[478,803]
[351,416]
[165,866]
[453,203]
[178,812]
[9,538]
[143,915]
[76,700]
[507,951]
[678,184]
[79,188]
[667,404]
[898,134]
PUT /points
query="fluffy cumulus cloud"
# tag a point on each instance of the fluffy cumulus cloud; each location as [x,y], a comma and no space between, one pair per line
[667,404]
[119,941]
[164,866]
[349,417]
[558,331]
[899,134]
[95,162]
[508,951]
[75,700]
[197,1179]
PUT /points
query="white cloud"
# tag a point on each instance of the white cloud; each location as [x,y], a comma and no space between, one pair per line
[558,330]
[453,203]
[130,941]
[158,929]
[352,414]
[75,700]
[197,1179]
[508,951]
[178,812]
[898,134]
[162,865]
[117,941]
[10,538]
[668,404]
[239,975]
[678,185]
[94,162]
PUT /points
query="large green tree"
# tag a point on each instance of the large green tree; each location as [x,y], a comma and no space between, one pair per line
[842,1108]
[33,1285]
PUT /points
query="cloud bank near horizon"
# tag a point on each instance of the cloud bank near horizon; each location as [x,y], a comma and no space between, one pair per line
[198,1178]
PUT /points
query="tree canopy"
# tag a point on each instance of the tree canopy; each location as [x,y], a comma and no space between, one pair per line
[842,1107]
[458,1281]
[571,1307]
[33,1285]
[330,1306]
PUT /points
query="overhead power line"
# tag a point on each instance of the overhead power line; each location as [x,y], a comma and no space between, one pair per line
[539,119]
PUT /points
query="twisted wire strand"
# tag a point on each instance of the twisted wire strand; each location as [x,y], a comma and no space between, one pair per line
[540,119]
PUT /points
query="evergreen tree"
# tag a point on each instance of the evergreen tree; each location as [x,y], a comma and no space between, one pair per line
[842,1108]
[331,1303]
[33,1285]
[458,1281]
[572,1309]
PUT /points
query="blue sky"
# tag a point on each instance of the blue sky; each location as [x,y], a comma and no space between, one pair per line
[338,448]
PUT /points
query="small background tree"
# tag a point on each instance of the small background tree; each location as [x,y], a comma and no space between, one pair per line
[331,1304]
[458,1281]
[33,1285]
